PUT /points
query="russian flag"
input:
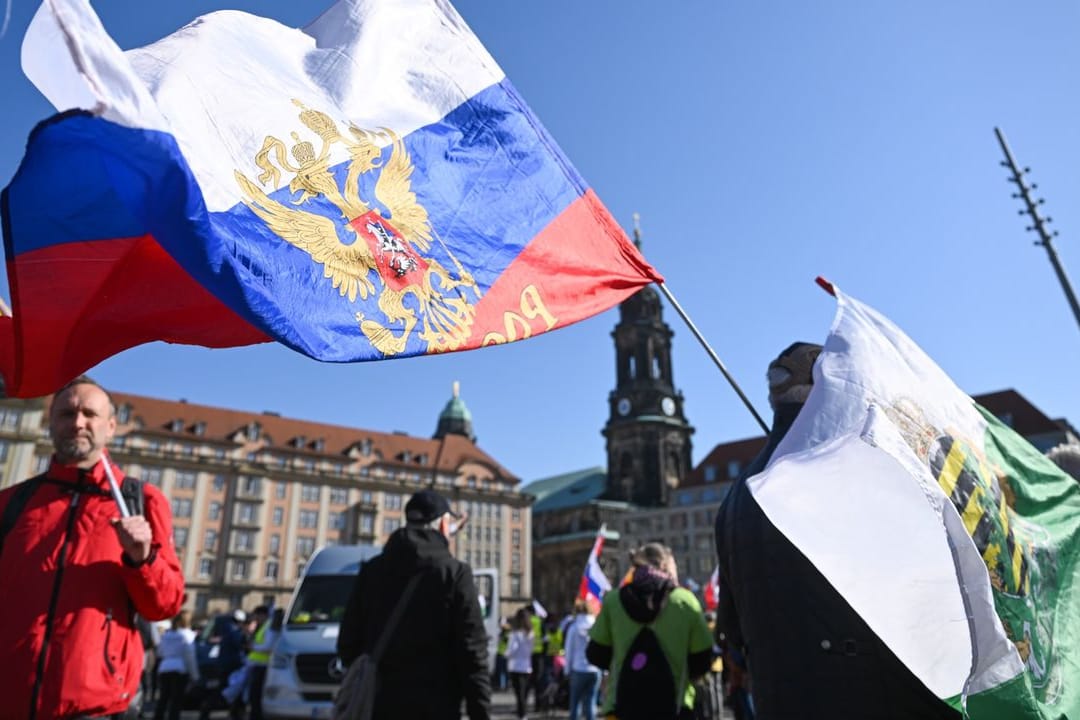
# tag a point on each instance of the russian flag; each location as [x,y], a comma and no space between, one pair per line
[370,186]
[594,583]
[712,590]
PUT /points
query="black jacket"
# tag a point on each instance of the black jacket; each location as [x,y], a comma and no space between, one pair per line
[810,655]
[438,653]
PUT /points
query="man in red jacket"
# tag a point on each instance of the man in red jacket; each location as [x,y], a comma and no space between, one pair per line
[73,574]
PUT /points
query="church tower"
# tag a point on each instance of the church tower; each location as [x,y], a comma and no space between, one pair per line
[648,436]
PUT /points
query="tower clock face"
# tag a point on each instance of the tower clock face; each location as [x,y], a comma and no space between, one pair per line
[668,406]
[623,407]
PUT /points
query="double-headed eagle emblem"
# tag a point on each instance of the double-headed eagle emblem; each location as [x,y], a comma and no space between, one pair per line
[373,247]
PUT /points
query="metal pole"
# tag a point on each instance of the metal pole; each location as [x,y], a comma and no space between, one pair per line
[712,353]
[1031,208]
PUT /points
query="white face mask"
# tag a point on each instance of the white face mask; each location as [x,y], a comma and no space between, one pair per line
[455,525]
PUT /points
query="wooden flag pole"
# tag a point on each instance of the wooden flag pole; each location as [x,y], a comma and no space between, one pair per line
[712,354]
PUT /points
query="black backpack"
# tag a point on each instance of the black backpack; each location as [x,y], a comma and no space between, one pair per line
[131,489]
[646,686]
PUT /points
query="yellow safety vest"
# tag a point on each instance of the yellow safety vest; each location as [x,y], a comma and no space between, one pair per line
[555,643]
[260,657]
[538,636]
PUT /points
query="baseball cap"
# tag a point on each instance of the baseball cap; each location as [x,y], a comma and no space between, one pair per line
[427,505]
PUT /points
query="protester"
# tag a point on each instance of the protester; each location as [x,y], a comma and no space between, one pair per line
[519,658]
[499,677]
[75,573]
[229,668]
[262,641]
[584,676]
[440,644]
[809,653]
[177,667]
[652,636]
[537,679]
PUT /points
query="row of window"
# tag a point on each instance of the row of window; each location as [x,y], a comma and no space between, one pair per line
[243,541]
[241,569]
[489,510]
[734,467]
[483,559]
[249,485]
[10,419]
[486,534]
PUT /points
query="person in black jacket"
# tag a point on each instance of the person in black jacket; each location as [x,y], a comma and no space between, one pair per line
[809,653]
[438,653]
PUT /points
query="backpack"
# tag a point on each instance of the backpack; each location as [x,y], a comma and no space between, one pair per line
[131,489]
[646,685]
[355,699]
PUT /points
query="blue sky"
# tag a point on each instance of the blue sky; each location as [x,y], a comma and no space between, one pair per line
[763,144]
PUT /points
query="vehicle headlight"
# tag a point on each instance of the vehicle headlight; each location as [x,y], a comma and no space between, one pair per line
[281,660]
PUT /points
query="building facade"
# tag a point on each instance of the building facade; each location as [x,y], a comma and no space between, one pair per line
[255,494]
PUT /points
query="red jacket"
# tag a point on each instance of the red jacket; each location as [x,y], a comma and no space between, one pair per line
[62,577]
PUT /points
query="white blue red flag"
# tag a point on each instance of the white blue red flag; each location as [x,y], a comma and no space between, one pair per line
[594,583]
[370,186]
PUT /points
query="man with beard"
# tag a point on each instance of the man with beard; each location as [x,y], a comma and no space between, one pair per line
[73,573]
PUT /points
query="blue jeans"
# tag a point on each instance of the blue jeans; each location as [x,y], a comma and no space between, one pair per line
[583,686]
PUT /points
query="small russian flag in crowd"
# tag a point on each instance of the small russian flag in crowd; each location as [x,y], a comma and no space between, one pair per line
[712,590]
[594,583]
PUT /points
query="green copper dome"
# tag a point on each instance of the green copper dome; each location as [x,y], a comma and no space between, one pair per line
[455,419]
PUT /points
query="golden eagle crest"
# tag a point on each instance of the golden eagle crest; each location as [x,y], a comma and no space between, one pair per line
[384,249]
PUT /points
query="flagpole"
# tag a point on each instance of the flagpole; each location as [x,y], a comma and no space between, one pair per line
[712,354]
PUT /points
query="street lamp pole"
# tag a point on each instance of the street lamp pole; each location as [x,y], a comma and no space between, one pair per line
[1038,223]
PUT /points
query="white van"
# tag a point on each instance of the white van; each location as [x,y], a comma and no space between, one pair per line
[305,670]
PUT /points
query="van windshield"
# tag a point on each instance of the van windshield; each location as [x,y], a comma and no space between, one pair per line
[321,599]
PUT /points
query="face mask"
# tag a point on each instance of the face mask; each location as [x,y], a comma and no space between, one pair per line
[456,525]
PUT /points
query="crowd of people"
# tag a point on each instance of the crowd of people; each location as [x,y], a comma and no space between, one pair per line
[229,673]
[115,581]
[96,578]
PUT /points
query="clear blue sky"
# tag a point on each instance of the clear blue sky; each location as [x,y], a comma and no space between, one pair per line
[763,144]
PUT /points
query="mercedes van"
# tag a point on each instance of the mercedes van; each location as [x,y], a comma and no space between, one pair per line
[305,671]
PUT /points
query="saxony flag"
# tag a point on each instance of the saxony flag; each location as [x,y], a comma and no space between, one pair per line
[952,537]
